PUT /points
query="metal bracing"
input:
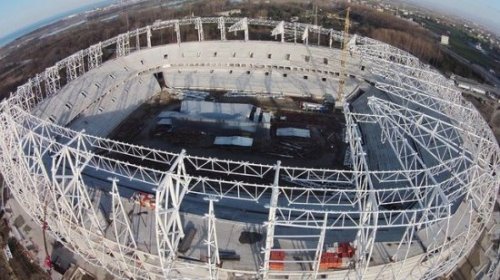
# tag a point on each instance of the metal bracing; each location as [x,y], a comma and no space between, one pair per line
[320,247]
[52,83]
[459,183]
[169,230]
[429,136]
[31,98]
[290,28]
[448,173]
[94,56]
[241,25]
[430,129]
[30,93]
[221,25]
[71,194]
[199,27]
[450,104]
[123,234]
[228,166]
[367,202]
[80,235]
[213,259]
[202,185]
[75,66]
[279,30]
[50,130]
[409,159]
[123,45]
[16,178]
[30,190]
[440,105]
[271,222]
[473,137]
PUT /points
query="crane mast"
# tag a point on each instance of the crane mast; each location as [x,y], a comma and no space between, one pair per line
[343,59]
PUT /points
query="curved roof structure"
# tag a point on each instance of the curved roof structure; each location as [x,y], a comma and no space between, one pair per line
[422,185]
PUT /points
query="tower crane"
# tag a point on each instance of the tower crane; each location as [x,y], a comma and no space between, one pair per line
[343,58]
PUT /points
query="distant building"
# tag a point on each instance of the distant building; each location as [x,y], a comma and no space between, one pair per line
[229,12]
[220,116]
[445,40]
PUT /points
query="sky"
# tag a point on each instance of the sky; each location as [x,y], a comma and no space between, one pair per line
[17,14]
[484,12]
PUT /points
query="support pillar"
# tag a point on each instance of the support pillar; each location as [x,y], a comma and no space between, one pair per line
[305,35]
[331,38]
[148,36]
[199,26]
[213,258]
[169,196]
[241,25]
[94,56]
[279,30]
[52,83]
[74,66]
[271,222]
[295,33]
[123,45]
[321,243]
[177,31]
[221,25]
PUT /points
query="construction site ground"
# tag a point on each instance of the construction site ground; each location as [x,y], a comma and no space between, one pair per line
[325,148]
[489,109]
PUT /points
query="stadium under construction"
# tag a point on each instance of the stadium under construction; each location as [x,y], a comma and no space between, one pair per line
[410,186]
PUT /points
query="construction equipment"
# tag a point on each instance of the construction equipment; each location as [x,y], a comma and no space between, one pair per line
[146,200]
[276,260]
[337,257]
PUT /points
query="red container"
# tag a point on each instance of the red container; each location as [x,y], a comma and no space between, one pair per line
[277,255]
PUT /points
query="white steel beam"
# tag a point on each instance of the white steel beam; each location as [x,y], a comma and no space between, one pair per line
[213,258]
[320,247]
[241,25]
[305,36]
[368,205]
[148,36]
[75,66]
[169,230]
[94,56]
[177,29]
[198,25]
[123,45]
[270,224]
[137,40]
[46,166]
[294,32]
[221,25]
[279,30]
[52,83]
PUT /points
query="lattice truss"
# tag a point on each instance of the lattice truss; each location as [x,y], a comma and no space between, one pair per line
[448,159]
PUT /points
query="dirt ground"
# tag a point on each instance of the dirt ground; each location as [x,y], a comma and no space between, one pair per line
[20,266]
[489,109]
[325,148]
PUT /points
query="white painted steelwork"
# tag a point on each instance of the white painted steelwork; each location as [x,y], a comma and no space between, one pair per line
[438,203]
